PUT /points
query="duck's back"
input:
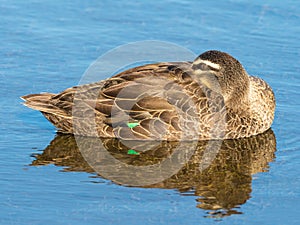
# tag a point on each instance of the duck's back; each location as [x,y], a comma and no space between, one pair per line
[146,102]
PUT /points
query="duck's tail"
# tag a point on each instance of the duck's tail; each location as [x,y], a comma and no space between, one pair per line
[40,102]
[44,103]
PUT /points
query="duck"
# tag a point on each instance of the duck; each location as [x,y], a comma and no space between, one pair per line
[212,97]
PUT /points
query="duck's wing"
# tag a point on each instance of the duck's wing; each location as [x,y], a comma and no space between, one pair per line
[156,101]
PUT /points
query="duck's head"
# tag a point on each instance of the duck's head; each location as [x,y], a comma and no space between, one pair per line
[222,73]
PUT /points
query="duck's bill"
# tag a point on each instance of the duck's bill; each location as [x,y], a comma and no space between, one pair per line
[210,80]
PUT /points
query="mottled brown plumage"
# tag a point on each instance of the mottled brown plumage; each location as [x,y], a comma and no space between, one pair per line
[210,98]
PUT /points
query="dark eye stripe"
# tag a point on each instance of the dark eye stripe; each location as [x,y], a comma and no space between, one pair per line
[212,68]
[203,66]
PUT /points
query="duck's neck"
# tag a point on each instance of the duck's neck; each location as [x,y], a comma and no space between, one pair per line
[239,102]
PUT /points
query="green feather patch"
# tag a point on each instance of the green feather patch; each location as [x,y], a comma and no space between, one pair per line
[132,124]
[132,152]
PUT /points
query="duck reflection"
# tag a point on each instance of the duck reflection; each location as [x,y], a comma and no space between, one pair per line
[221,179]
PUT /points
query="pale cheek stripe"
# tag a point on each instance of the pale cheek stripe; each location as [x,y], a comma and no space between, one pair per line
[209,63]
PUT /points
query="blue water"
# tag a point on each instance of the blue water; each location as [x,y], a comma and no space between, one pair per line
[46,47]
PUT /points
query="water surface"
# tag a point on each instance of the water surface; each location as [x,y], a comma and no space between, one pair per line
[46,47]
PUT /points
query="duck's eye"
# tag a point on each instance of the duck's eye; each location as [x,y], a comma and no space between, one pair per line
[203,66]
